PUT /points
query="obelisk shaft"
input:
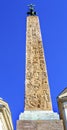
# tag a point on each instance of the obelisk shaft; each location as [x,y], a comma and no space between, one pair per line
[37,93]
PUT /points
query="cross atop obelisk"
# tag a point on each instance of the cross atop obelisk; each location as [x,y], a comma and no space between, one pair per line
[37,93]
[31,10]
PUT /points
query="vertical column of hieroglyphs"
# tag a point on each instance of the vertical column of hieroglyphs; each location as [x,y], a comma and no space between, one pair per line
[37,94]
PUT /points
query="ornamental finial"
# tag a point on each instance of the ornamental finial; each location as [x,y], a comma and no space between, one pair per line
[31,10]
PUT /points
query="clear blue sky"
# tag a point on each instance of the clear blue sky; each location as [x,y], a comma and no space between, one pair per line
[53,21]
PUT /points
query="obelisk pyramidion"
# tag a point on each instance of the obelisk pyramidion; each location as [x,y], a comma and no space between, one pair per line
[38,105]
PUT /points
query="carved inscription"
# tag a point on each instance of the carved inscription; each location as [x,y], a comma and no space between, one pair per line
[37,93]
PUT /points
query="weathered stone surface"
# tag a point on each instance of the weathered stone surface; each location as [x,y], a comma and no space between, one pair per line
[37,93]
[39,115]
[40,125]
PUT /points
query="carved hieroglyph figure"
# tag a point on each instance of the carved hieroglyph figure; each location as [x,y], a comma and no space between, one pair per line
[37,93]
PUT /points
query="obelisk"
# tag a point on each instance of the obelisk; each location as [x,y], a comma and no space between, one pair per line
[38,111]
[37,93]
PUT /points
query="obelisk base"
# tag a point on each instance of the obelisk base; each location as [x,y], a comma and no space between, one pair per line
[39,120]
[40,125]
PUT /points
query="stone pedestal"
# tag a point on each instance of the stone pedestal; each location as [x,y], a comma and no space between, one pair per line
[39,120]
[39,115]
[40,125]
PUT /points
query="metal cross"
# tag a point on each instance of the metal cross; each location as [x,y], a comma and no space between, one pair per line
[31,10]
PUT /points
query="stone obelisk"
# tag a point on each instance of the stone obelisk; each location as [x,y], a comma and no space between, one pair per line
[37,93]
[38,111]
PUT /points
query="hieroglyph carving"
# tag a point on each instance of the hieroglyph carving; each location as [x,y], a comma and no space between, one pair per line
[37,93]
